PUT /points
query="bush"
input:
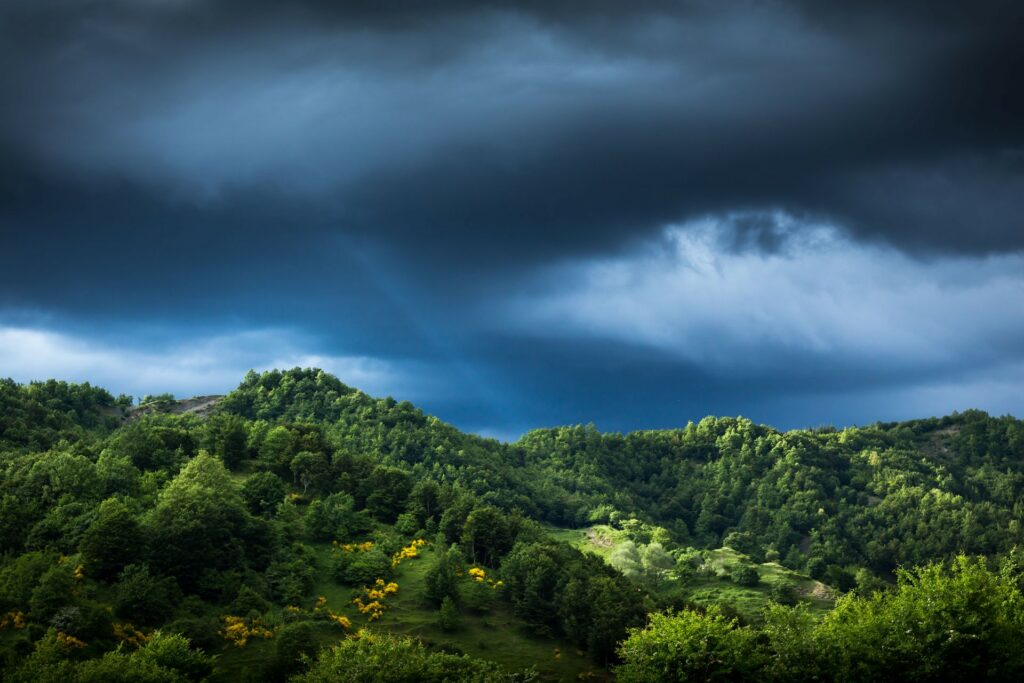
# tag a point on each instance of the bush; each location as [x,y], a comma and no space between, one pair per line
[688,646]
[407,524]
[53,592]
[478,596]
[442,580]
[448,615]
[292,642]
[784,593]
[335,518]
[383,658]
[248,601]
[942,623]
[743,541]
[745,575]
[19,578]
[202,632]
[174,652]
[293,574]
[964,623]
[361,568]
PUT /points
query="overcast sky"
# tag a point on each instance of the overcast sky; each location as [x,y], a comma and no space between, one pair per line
[522,214]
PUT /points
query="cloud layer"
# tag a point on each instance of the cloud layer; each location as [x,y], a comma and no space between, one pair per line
[714,296]
[506,199]
[197,366]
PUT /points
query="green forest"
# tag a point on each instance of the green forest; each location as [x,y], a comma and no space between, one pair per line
[298,529]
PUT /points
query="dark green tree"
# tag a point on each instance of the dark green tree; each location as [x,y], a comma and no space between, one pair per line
[114,540]
[448,615]
[263,492]
[442,580]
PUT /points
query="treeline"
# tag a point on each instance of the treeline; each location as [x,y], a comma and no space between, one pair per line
[37,415]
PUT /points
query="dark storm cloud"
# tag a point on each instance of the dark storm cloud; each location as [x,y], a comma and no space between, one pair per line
[542,127]
[386,177]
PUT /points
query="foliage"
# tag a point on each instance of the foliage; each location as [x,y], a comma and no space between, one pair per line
[361,567]
[448,615]
[557,589]
[292,574]
[335,517]
[144,598]
[292,643]
[112,541]
[116,521]
[956,622]
[442,581]
[687,646]
[162,659]
[380,658]
[745,575]
[200,522]
[263,492]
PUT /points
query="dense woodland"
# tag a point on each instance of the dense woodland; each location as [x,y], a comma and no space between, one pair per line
[303,530]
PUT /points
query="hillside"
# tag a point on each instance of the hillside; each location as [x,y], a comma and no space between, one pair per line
[297,512]
[705,577]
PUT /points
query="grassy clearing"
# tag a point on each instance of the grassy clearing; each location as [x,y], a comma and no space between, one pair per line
[716,588]
[599,539]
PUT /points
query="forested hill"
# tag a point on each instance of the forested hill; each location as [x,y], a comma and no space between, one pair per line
[829,500]
[246,520]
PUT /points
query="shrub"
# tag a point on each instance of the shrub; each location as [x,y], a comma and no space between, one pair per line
[783,593]
[745,575]
[359,568]
[448,615]
[687,646]
[293,642]
[383,658]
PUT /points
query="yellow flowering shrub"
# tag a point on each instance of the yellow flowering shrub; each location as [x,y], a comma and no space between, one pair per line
[364,547]
[409,552]
[373,610]
[323,610]
[238,630]
[340,620]
[479,575]
[69,642]
[375,595]
[79,572]
[129,635]
[15,619]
